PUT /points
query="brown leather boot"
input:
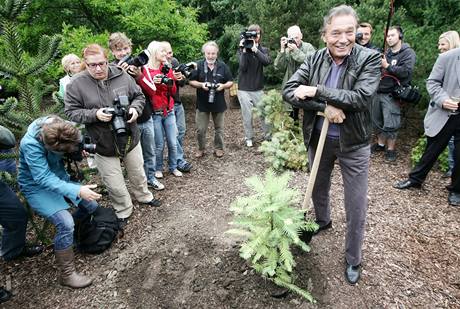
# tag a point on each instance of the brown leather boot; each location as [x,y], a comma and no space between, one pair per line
[67,274]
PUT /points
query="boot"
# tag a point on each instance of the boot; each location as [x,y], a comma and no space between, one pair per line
[67,274]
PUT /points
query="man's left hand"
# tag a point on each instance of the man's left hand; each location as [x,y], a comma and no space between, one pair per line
[292,46]
[254,48]
[134,115]
[220,87]
[302,92]
[178,75]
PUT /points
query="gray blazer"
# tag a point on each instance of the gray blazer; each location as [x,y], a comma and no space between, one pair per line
[444,81]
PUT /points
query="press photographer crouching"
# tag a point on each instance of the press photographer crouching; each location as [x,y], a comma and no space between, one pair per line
[46,185]
[108,101]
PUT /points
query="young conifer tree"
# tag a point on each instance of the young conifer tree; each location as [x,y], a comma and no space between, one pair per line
[271,222]
[15,63]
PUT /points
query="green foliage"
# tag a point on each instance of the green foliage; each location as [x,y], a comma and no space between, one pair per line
[15,63]
[419,149]
[271,224]
[286,148]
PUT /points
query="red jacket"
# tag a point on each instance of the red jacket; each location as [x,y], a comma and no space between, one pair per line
[158,97]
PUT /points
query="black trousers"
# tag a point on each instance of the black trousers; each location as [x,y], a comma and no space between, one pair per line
[13,218]
[434,147]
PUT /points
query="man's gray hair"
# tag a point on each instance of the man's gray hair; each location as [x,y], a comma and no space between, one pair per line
[338,11]
[209,43]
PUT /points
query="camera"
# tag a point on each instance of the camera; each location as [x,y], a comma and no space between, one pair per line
[289,41]
[186,69]
[138,60]
[164,72]
[212,91]
[248,37]
[119,113]
[358,37]
[84,145]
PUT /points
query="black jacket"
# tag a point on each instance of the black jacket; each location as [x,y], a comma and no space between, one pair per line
[251,69]
[401,66]
[357,84]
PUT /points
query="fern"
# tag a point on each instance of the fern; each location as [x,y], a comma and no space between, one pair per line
[270,225]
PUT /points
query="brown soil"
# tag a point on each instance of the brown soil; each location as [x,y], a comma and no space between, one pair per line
[178,256]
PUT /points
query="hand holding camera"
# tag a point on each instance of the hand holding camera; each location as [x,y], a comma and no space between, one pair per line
[103,115]
[134,114]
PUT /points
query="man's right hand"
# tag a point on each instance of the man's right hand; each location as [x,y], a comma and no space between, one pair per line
[283,42]
[103,116]
[87,194]
[334,114]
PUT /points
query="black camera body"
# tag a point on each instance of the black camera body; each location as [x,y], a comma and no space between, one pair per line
[289,41]
[358,37]
[164,75]
[185,68]
[138,60]
[119,113]
[248,37]
[84,145]
[212,91]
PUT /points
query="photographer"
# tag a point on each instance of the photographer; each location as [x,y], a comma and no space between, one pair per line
[252,58]
[121,47]
[364,36]
[157,82]
[182,164]
[46,185]
[211,78]
[397,67]
[292,54]
[91,98]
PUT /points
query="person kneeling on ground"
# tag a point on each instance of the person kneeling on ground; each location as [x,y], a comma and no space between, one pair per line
[46,185]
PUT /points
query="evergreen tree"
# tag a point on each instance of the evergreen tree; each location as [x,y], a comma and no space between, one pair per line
[17,64]
[271,224]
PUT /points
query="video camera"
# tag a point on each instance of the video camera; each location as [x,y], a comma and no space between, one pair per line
[138,60]
[186,69]
[289,41]
[84,145]
[248,37]
[164,72]
[212,91]
[120,113]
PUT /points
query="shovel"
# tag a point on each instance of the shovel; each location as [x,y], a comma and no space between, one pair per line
[316,160]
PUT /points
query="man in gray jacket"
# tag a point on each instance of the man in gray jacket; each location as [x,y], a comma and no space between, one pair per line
[442,121]
[87,98]
[339,81]
[293,52]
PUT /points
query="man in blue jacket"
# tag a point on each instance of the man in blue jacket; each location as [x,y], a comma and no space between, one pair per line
[46,185]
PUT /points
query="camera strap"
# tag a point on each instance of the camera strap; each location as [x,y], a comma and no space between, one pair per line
[149,81]
[214,71]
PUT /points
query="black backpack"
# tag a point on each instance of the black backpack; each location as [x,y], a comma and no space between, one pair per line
[96,232]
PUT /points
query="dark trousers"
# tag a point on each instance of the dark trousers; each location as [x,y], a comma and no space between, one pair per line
[434,147]
[13,218]
[294,114]
[354,166]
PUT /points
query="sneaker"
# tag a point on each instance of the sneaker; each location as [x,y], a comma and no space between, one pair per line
[185,168]
[158,174]
[122,222]
[377,148]
[249,143]
[390,155]
[156,185]
[177,173]
[153,203]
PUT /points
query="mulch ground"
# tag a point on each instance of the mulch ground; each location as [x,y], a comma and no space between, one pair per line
[177,256]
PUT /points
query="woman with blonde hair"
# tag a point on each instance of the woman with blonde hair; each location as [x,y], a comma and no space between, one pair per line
[157,82]
[447,41]
[72,65]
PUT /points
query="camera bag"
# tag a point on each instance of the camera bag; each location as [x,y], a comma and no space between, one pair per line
[96,232]
[409,93]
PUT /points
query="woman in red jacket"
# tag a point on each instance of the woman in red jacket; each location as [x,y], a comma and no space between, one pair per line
[157,82]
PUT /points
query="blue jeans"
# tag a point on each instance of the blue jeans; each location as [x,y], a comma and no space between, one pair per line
[181,127]
[168,124]
[148,148]
[64,223]
[13,218]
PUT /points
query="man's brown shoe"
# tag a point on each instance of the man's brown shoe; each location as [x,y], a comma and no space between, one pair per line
[199,154]
[219,153]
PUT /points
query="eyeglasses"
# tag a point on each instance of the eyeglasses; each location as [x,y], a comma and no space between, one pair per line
[95,65]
